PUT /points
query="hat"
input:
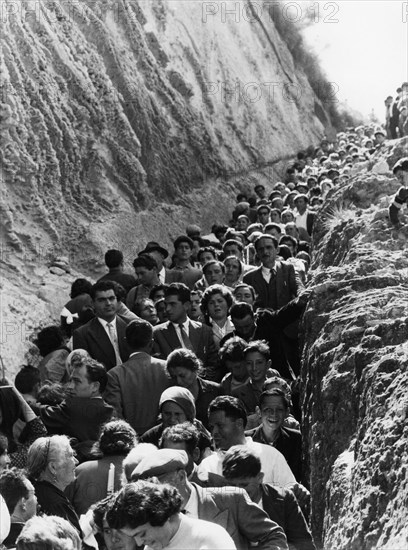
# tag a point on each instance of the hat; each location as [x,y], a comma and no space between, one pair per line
[182,397]
[162,461]
[152,246]
[379,132]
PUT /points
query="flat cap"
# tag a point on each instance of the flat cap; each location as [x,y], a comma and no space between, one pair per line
[162,461]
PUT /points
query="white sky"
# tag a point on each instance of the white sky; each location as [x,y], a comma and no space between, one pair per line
[365,52]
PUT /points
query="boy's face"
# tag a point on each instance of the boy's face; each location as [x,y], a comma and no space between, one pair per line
[257,366]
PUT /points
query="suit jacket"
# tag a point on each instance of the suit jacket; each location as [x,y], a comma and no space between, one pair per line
[78,417]
[166,340]
[288,284]
[282,507]
[92,337]
[244,520]
[127,280]
[189,275]
[134,390]
[172,276]
[91,482]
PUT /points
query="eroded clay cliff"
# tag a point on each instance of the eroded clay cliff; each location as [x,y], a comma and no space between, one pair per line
[121,122]
[355,375]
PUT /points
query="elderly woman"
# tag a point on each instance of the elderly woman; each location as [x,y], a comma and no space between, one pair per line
[48,533]
[117,438]
[12,407]
[176,406]
[51,468]
[215,305]
[184,367]
[233,271]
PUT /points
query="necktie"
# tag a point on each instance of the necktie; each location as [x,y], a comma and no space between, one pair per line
[114,339]
[185,339]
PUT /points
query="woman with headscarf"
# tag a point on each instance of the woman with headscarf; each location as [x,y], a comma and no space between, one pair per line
[51,466]
[177,405]
[12,407]
[95,478]
[184,368]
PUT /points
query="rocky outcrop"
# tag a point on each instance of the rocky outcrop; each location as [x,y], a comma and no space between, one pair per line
[355,376]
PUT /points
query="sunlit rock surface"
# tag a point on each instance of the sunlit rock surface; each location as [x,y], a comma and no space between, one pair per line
[355,372]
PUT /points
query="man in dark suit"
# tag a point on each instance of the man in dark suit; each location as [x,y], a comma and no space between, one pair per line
[134,388]
[104,336]
[158,253]
[114,261]
[231,508]
[181,332]
[81,415]
[276,283]
[241,467]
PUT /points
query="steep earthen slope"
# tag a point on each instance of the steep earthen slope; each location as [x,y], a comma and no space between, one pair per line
[117,115]
[355,374]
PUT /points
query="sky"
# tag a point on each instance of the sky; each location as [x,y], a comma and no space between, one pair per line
[363,47]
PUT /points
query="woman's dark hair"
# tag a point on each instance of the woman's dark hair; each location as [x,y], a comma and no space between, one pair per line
[100,509]
[184,358]
[210,292]
[117,437]
[10,408]
[49,339]
[143,502]
[80,286]
[284,251]
[213,262]
[26,378]
[244,285]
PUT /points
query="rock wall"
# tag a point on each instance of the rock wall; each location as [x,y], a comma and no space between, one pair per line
[118,115]
[355,376]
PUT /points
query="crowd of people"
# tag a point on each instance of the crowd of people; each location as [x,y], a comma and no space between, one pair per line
[165,409]
[396,113]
